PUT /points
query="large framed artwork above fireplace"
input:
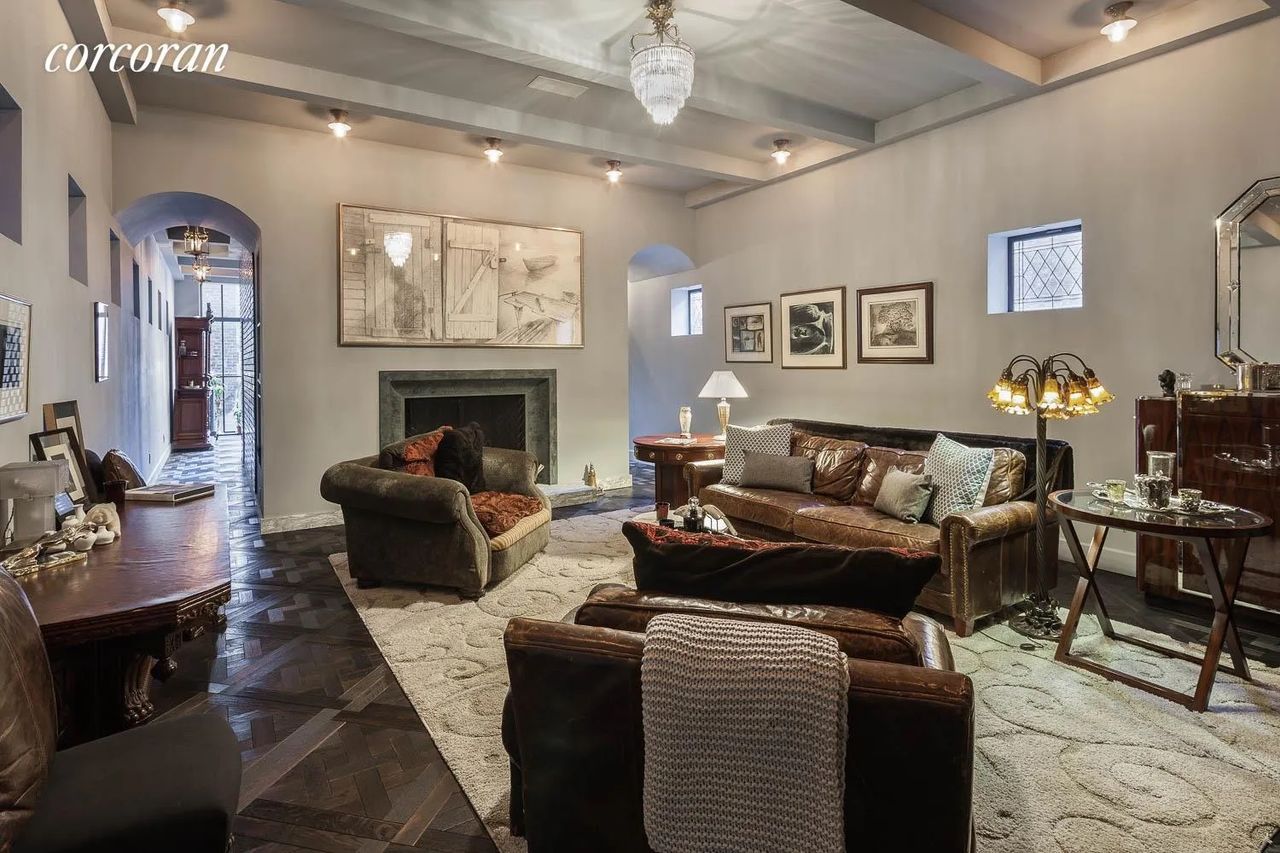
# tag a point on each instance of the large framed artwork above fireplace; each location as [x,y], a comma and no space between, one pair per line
[515,408]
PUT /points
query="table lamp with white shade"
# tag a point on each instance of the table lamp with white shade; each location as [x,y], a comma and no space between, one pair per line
[723,384]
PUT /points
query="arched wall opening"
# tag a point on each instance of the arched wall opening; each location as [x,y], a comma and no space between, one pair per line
[659,277]
[230,290]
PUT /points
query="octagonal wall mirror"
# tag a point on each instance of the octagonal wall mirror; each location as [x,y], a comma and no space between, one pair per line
[1247,302]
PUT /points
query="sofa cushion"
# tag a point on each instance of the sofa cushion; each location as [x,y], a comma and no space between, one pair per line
[415,455]
[762,439]
[770,507]
[960,475]
[861,633]
[787,473]
[837,464]
[499,512]
[460,456]
[1008,473]
[863,527]
[707,565]
[877,462]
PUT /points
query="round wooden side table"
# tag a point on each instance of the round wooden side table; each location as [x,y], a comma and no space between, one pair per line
[1221,542]
[669,459]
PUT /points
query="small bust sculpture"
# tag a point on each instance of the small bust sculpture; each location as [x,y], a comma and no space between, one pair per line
[1167,378]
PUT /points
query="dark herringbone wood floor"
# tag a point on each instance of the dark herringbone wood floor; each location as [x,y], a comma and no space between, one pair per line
[335,758]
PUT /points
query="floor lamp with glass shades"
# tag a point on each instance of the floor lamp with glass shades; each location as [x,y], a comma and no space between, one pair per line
[723,384]
[1059,387]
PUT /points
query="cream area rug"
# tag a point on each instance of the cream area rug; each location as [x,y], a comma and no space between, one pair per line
[1064,762]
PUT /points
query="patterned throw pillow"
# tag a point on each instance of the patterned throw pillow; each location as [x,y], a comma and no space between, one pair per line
[774,440]
[960,476]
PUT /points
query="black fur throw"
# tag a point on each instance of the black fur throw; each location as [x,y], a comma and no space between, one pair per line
[461,456]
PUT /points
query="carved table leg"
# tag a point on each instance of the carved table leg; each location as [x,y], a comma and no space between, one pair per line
[137,690]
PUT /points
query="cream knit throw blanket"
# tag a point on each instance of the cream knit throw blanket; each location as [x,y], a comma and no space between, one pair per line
[745,726]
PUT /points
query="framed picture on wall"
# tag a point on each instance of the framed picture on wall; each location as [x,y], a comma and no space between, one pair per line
[748,332]
[15,354]
[813,326]
[429,280]
[895,324]
[101,352]
[54,444]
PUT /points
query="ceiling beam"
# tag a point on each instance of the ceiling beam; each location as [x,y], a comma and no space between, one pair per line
[91,26]
[360,95]
[545,50]
[978,55]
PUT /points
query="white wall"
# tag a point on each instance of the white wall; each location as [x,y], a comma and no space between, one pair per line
[320,400]
[1147,156]
[66,131]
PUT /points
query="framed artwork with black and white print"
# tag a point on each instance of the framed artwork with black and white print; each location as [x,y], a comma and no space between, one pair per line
[895,324]
[15,356]
[813,329]
[748,332]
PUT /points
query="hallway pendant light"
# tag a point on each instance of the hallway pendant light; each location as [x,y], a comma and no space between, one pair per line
[201,268]
[662,71]
[338,123]
[195,241]
[398,245]
[1119,22]
[493,149]
[176,18]
[781,151]
[614,174]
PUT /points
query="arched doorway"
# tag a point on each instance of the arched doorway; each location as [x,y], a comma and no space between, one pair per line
[230,290]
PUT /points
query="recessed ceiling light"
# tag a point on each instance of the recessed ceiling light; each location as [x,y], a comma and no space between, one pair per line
[175,17]
[615,171]
[1117,30]
[493,149]
[338,123]
[781,151]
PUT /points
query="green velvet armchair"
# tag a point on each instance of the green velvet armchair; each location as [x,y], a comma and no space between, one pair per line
[411,529]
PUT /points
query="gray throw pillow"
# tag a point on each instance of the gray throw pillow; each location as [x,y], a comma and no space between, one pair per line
[788,473]
[774,440]
[904,496]
[960,477]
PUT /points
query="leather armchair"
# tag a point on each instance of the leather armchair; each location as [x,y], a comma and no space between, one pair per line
[424,530]
[170,785]
[572,726]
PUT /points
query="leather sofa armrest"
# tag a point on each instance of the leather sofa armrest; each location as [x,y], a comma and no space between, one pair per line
[705,472]
[512,471]
[990,522]
[360,485]
[915,641]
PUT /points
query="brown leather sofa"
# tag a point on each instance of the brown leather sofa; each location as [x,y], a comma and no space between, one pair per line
[572,725]
[988,554]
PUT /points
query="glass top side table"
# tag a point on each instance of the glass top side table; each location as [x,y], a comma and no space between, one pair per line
[1221,542]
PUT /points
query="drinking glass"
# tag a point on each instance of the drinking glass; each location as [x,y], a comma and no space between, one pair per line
[1115,490]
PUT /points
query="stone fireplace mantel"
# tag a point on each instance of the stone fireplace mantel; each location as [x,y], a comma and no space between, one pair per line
[538,387]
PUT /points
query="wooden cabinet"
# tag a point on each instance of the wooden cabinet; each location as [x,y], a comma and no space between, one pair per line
[669,461]
[191,396]
[1228,446]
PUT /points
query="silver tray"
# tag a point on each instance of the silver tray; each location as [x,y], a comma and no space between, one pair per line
[1174,508]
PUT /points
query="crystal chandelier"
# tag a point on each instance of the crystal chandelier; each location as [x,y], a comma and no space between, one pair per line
[662,71]
[398,245]
[201,268]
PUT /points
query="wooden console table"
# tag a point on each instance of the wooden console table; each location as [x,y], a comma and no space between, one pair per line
[112,623]
[1220,541]
[669,461]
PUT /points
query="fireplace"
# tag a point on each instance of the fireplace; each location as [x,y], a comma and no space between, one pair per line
[515,408]
[501,416]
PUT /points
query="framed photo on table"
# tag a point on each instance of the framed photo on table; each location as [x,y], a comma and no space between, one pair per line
[813,329]
[895,324]
[54,444]
[748,332]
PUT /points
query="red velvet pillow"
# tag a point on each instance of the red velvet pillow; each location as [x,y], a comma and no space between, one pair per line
[707,565]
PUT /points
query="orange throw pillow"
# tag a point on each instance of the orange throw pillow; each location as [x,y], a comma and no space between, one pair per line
[418,456]
[499,512]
